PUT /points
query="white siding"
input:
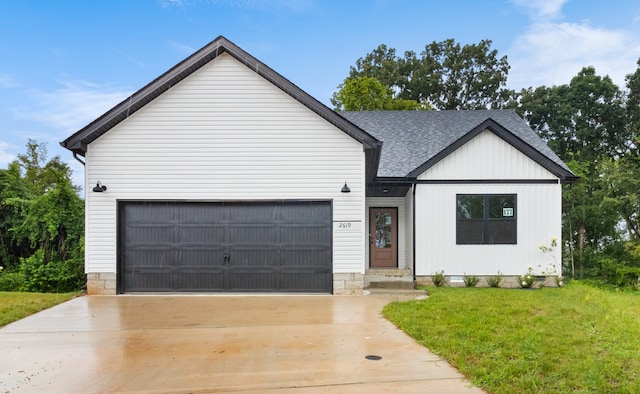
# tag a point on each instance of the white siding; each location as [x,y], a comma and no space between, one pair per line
[539,215]
[391,202]
[225,133]
[487,156]
[538,220]
[408,245]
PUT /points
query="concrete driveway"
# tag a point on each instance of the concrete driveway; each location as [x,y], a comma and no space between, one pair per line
[221,344]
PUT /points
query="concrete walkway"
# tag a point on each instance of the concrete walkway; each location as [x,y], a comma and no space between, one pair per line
[218,344]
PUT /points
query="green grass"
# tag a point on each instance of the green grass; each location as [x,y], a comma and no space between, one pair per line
[15,306]
[573,339]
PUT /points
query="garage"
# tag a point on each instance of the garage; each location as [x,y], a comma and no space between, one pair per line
[270,246]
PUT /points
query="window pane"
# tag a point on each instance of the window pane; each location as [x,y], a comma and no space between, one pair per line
[502,207]
[383,230]
[470,207]
[469,232]
[502,231]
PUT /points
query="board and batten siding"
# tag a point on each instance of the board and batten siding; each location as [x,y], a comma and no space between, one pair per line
[225,134]
[539,211]
[487,156]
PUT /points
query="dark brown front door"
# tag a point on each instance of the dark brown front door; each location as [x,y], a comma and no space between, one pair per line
[383,237]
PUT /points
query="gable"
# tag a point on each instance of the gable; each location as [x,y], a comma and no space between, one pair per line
[225,111]
[79,141]
[486,156]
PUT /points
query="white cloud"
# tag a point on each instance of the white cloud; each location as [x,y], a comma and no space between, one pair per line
[551,53]
[542,8]
[73,105]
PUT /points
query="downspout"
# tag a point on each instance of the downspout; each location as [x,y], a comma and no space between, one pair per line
[75,156]
[413,208]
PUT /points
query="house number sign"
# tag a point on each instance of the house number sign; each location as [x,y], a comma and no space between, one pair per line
[346,226]
[507,212]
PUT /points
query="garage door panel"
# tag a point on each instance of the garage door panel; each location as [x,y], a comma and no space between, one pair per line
[306,212]
[199,214]
[149,258]
[205,259]
[199,281]
[256,257]
[252,213]
[306,258]
[149,281]
[205,235]
[253,234]
[297,282]
[305,234]
[151,234]
[149,213]
[254,281]
[250,246]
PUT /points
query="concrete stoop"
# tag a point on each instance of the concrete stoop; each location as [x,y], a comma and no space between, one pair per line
[388,278]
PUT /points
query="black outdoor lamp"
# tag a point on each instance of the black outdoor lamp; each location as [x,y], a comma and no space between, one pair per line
[99,188]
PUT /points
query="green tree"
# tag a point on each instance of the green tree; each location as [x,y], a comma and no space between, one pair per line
[620,182]
[446,75]
[368,94]
[54,222]
[14,192]
[584,123]
[633,109]
[41,223]
[581,121]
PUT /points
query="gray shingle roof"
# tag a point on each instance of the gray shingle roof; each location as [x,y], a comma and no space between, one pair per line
[412,138]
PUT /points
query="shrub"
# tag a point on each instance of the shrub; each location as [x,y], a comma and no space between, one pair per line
[11,281]
[617,274]
[495,280]
[438,279]
[470,280]
[527,280]
[54,276]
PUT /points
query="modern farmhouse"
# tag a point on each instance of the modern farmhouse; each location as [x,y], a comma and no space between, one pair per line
[223,176]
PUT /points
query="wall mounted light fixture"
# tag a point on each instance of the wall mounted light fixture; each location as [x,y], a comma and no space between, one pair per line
[99,188]
[345,188]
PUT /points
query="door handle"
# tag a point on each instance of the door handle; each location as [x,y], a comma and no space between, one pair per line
[226,258]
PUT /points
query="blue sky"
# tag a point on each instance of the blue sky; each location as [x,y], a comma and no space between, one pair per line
[63,63]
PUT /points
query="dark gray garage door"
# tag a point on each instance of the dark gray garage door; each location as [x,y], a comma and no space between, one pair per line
[282,246]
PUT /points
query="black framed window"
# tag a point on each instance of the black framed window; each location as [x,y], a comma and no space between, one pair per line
[486,219]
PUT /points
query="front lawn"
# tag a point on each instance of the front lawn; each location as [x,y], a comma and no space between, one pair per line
[15,305]
[573,339]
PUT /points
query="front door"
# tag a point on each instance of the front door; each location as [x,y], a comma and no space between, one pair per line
[383,237]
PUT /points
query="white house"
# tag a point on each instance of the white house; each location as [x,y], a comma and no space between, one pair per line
[223,176]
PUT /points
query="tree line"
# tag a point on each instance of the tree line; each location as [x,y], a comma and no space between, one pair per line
[41,225]
[591,123]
